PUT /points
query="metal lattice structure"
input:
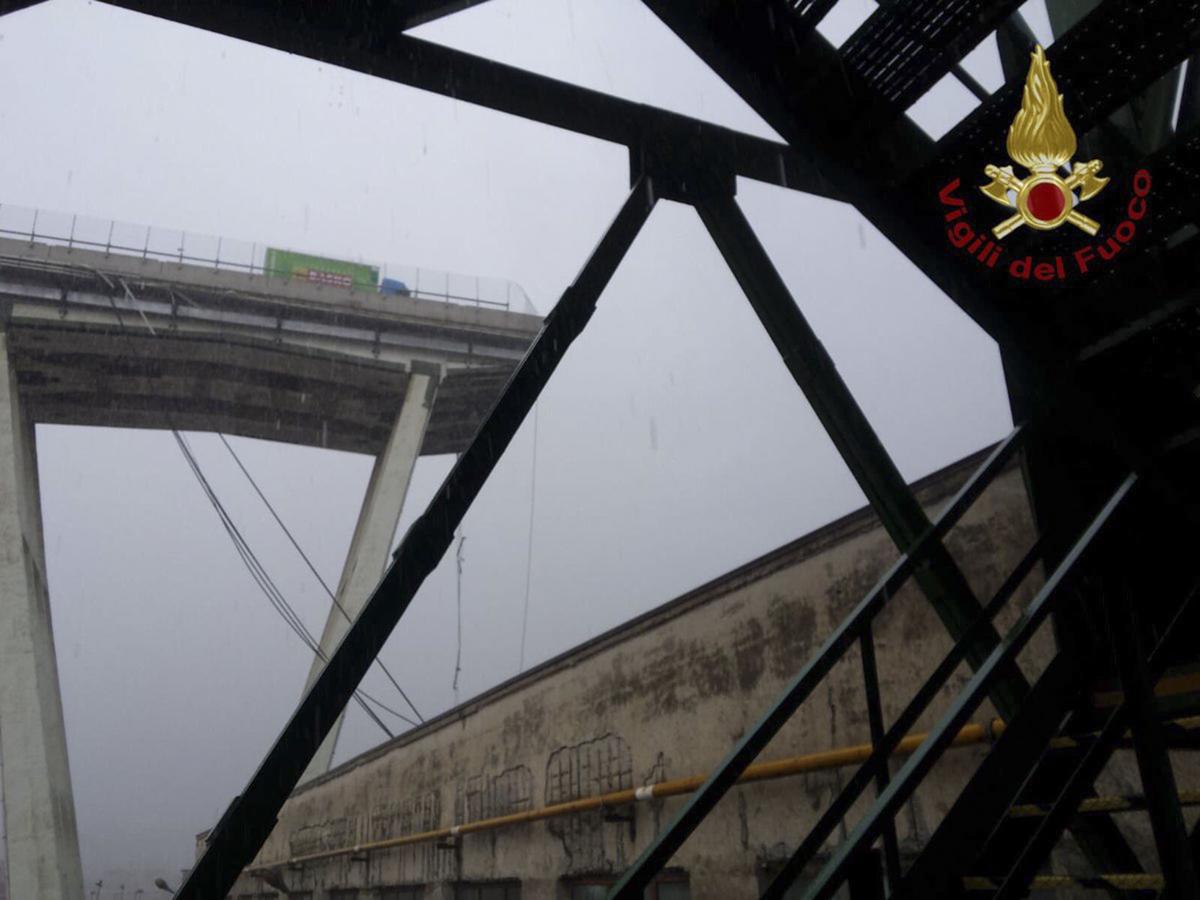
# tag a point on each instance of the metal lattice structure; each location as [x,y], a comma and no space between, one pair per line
[1102,372]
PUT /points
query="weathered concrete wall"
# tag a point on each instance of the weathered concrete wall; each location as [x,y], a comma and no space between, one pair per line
[664,696]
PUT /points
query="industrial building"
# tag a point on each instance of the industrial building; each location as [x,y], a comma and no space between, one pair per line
[483,801]
[983,685]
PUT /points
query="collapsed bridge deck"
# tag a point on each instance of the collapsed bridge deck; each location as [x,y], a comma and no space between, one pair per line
[111,340]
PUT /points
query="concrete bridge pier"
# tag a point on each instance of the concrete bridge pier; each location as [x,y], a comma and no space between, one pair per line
[43,845]
[373,534]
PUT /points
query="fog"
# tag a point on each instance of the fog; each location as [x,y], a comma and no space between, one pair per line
[671,446]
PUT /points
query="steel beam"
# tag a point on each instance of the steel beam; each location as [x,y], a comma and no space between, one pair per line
[1089,767]
[891,846]
[885,745]
[9,6]
[999,778]
[761,60]
[346,42]
[1150,748]
[251,816]
[411,13]
[639,875]
[918,765]
[764,62]
[814,371]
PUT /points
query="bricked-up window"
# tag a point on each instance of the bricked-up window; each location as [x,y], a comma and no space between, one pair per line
[488,890]
[401,892]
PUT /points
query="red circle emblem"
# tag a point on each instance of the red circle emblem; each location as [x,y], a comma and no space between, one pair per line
[1046,201]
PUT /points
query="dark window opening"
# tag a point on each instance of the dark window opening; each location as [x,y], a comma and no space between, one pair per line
[670,885]
[401,892]
[488,890]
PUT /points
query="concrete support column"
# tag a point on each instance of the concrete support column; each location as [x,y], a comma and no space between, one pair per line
[43,846]
[372,543]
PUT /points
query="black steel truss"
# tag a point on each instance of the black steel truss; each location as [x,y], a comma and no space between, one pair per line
[841,113]
[322,32]
[843,638]
[885,743]
[814,371]
[879,161]
[249,819]
[917,766]
[968,830]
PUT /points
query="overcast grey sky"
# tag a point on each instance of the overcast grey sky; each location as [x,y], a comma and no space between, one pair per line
[672,445]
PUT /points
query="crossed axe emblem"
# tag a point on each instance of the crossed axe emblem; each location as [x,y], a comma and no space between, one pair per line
[1053,190]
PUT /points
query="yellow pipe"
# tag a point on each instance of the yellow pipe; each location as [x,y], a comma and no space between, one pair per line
[779,768]
[975,733]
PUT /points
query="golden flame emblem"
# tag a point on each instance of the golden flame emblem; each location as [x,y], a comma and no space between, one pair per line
[1042,140]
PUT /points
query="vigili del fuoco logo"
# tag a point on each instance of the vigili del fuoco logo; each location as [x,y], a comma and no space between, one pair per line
[1048,197]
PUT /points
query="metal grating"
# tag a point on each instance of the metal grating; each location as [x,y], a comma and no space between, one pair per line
[1099,65]
[592,767]
[903,49]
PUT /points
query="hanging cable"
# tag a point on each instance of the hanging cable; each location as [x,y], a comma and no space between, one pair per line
[308,562]
[249,559]
[529,546]
[257,572]
[267,585]
[458,561]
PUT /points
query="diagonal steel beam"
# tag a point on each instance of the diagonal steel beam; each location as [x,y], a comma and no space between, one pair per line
[868,460]
[773,71]
[366,20]
[411,13]
[794,79]
[250,817]
[951,852]
[803,91]
[331,37]
[836,812]
[917,766]
[8,6]
[664,844]
[808,96]
[1149,743]
[1089,766]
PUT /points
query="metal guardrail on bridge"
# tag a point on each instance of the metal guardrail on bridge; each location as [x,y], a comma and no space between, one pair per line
[170,245]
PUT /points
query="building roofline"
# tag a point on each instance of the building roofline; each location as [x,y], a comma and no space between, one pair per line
[929,489]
